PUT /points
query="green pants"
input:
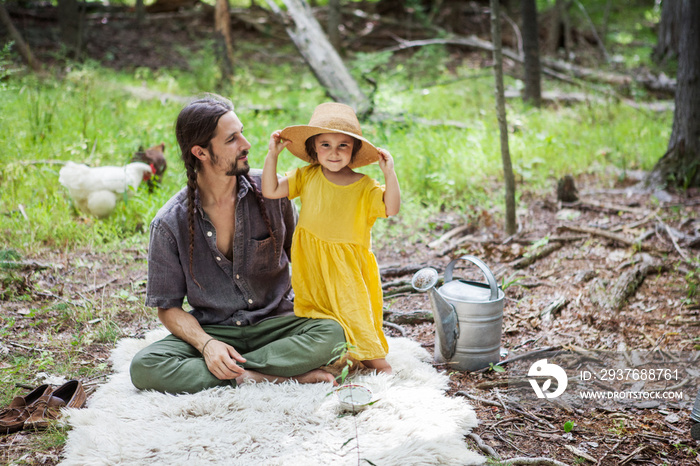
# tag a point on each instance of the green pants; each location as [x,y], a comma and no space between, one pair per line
[283,346]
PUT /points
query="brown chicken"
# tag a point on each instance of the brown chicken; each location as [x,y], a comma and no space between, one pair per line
[154,156]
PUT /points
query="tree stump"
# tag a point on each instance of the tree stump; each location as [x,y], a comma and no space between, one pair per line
[566,189]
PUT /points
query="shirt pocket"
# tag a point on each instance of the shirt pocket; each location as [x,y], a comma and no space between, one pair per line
[264,255]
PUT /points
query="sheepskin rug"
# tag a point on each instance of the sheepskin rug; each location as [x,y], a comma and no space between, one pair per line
[411,423]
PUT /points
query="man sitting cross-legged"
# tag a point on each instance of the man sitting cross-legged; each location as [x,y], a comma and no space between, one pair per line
[225,248]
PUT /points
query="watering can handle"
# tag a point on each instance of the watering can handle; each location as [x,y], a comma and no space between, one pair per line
[483,267]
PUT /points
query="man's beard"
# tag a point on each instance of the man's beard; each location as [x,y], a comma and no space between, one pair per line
[234,169]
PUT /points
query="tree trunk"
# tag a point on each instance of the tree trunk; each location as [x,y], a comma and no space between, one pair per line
[680,165]
[566,24]
[321,57]
[69,18]
[222,36]
[558,28]
[669,27]
[531,48]
[333,25]
[140,12]
[509,179]
[22,46]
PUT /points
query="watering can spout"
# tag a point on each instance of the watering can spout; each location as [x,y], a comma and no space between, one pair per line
[444,314]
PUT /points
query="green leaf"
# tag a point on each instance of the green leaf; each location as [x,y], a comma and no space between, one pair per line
[568,426]
[496,368]
[347,441]
[344,374]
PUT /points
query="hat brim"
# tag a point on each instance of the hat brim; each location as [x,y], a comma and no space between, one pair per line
[297,135]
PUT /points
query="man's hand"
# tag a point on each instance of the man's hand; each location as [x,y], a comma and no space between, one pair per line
[222,359]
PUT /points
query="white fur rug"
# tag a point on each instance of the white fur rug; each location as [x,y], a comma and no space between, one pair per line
[412,423]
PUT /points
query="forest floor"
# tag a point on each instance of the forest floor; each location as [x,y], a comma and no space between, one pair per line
[656,321]
[658,314]
[657,318]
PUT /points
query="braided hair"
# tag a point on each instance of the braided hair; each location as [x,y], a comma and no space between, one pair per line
[196,126]
[263,211]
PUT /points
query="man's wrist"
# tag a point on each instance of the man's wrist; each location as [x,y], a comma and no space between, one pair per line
[205,344]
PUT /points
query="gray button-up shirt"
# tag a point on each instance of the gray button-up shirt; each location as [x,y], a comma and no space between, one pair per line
[254,287]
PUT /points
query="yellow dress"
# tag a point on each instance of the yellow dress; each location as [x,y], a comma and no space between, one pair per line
[334,272]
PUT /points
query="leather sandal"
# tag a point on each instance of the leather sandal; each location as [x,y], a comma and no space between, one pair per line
[17,412]
[48,407]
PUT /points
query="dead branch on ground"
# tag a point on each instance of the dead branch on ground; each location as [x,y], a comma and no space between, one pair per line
[484,447]
[397,327]
[538,254]
[28,265]
[578,72]
[603,206]
[539,461]
[613,297]
[450,234]
[408,318]
[608,235]
[390,272]
[529,354]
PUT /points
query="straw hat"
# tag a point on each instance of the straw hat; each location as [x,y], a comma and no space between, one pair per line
[330,117]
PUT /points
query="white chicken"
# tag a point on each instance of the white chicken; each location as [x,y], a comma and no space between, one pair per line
[96,190]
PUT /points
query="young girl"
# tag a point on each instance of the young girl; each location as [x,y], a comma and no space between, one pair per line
[334,272]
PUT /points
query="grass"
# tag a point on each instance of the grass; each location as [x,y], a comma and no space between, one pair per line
[89,116]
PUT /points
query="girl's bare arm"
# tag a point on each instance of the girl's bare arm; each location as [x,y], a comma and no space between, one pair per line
[273,187]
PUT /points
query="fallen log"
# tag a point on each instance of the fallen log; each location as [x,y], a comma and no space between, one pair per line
[603,206]
[28,265]
[409,318]
[551,239]
[483,447]
[460,241]
[396,327]
[540,461]
[390,272]
[537,255]
[453,232]
[22,46]
[587,73]
[530,354]
[400,291]
[322,58]
[608,235]
[613,297]
[583,73]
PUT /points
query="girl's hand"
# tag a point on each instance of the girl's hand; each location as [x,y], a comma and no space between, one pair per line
[386,161]
[392,192]
[277,144]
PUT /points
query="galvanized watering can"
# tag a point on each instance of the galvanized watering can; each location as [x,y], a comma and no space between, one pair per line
[468,316]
